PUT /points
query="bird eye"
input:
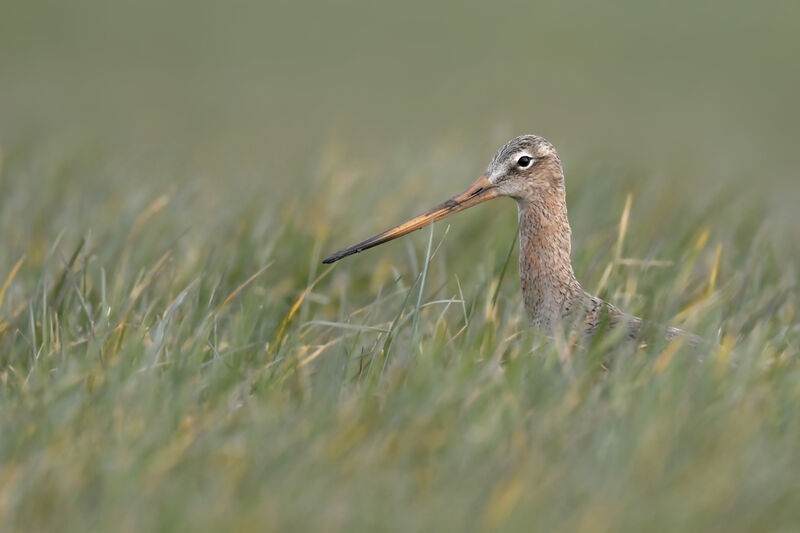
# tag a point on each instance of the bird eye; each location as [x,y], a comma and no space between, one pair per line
[524,161]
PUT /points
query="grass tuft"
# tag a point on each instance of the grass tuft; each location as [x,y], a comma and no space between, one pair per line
[195,368]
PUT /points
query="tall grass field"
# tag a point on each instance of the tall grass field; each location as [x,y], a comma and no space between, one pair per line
[175,357]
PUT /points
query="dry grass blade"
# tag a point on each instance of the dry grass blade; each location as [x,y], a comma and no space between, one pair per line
[663,360]
[279,338]
[343,325]
[134,296]
[240,288]
[316,353]
[10,278]
[142,285]
[623,227]
[152,209]
[712,282]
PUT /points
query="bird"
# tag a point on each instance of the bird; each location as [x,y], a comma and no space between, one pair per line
[528,169]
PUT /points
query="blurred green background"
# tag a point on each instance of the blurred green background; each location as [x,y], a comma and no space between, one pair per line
[713,83]
[233,135]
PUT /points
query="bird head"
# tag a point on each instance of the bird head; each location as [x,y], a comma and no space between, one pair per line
[526,166]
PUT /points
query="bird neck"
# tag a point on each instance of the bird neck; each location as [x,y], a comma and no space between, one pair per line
[548,282]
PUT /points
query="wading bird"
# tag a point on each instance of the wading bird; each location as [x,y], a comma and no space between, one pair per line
[529,170]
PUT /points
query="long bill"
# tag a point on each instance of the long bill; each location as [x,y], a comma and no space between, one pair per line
[480,191]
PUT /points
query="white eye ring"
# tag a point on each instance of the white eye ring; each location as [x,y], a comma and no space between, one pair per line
[525,161]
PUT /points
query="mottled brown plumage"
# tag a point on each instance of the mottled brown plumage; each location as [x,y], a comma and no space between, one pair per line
[529,170]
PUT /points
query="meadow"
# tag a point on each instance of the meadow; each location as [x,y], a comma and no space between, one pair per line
[175,357]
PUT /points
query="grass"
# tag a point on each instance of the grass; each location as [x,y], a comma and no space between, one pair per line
[173,356]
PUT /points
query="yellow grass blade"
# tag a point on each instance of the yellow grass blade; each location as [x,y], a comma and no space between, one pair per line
[666,356]
[319,349]
[137,290]
[623,226]
[702,240]
[502,502]
[135,293]
[702,298]
[604,279]
[294,308]
[10,278]
[151,210]
[240,288]
[725,349]
[712,282]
